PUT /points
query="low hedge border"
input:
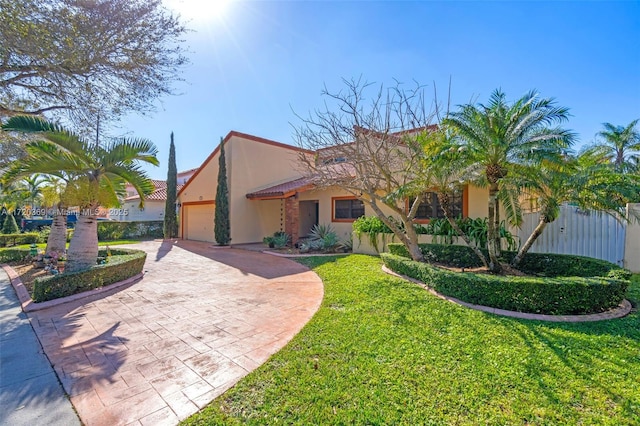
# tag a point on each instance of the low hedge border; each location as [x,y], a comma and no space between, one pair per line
[13,255]
[537,295]
[542,264]
[123,264]
[16,239]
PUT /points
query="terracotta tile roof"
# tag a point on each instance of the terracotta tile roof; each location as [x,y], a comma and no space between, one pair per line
[160,194]
[283,190]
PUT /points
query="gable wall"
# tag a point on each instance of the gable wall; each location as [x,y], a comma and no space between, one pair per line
[252,166]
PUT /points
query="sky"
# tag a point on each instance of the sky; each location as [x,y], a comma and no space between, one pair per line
[256,64]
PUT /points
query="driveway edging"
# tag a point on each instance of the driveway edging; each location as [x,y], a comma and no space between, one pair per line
[28,305]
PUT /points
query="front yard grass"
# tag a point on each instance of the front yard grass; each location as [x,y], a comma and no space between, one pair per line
[384,351]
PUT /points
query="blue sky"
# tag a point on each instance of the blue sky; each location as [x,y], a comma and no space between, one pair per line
[254,63]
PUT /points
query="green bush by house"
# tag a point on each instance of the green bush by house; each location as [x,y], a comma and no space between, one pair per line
[541,295]
[123,264]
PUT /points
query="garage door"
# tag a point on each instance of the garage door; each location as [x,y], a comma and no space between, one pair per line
[198,222]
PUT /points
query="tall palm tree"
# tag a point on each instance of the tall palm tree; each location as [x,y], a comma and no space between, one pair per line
[445,172]
[52,198]
[97,174]
[620,145]
[499,136]
[31,186]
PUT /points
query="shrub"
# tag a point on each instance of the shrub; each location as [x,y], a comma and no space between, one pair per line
[13,255]
[108,230]
[620,274]
[280,239]
[15,239]
[9,226]
[441,229]
[560,296]
[450,255]
[323,237]
[562,265]
[123,264]
[542,264]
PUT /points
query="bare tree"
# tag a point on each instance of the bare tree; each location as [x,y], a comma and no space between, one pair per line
[368,147]
[86,58]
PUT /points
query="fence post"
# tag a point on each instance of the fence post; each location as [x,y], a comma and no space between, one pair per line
[632,239]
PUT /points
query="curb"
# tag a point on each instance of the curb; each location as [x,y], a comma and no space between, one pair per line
[622,310]
[28,305]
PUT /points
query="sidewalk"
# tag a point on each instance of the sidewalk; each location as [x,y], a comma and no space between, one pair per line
[30,393]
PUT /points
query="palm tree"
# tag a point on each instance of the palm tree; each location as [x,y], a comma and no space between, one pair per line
[500,136]
[584,181]
[97,176]
[620,145]
[52,196]
[30,189]
[445,173]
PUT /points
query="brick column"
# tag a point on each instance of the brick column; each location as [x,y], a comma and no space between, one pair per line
[292,218]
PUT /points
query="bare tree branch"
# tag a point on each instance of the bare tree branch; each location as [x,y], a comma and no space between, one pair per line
[367,147]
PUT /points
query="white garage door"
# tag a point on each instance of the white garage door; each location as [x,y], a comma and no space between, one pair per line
[198,223]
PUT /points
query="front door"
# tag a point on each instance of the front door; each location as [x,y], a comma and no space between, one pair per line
[308,211]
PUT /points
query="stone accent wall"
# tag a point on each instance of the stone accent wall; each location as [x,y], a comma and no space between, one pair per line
[291,218]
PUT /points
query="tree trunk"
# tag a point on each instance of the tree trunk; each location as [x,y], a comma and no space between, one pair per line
[497,228]
[409,237]
[532,238]
[83,248]
[445,203]
[492,230]
[57,240]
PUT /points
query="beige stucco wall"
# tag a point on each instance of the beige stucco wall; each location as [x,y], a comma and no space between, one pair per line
[253,166]
[632,241]
[129,212]
[478,201]
[203,186]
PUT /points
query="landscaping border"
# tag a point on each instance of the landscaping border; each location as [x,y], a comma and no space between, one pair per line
[28,305]
[622,310]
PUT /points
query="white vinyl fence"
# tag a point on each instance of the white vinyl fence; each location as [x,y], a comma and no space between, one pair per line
[578,232]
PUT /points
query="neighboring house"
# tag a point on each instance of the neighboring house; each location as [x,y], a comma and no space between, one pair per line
[268,192]
[183,177]
[154,203]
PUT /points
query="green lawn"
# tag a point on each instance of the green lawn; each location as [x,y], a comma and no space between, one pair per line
[383,351]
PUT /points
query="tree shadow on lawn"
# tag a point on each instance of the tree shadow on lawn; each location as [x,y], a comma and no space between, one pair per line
[576,357]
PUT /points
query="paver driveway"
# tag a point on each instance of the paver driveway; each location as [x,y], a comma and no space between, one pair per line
[159,350]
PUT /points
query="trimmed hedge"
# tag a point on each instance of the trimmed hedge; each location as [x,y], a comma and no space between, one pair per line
[557,296]
[13,255]
[447,254]
[562,265]
[542,264]
[109,230]
[16,239]
[123,264]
